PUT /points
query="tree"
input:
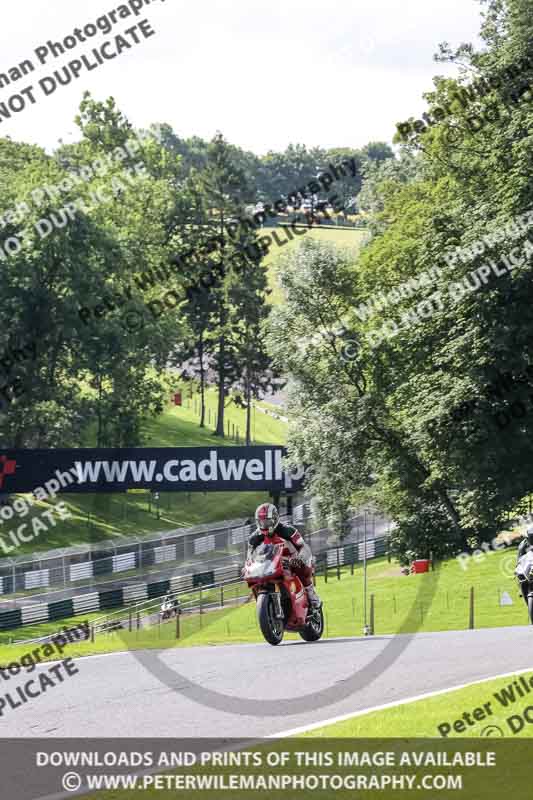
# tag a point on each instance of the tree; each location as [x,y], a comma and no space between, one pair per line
[97,369]
[223,191]
[343,427]
[385,426]
[256,376]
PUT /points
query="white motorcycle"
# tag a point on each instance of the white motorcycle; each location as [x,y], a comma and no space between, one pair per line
[167,610]
[524,575]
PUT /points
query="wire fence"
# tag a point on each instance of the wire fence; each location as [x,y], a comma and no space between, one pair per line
[183,551]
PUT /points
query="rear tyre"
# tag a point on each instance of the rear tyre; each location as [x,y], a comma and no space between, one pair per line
[530,608]
[315,627]
[271,628]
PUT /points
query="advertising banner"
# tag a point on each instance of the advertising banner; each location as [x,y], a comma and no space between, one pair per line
[170,469]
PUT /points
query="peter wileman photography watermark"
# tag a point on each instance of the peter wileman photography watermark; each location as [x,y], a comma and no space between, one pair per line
[452,294]
[11,358]
[508,696]
[454,290]
[504,399]
[39,524]
[17,696]
[134,319]
[85,63]
[479,554]
[60,218]
[468,95]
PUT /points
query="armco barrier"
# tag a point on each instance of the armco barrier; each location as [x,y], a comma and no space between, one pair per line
[129,595]
[212,543]
[107,600]
[59,568]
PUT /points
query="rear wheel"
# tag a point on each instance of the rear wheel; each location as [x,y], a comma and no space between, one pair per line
[271,628]
[315,626]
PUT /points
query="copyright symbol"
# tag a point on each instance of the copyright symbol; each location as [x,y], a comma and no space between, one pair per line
[452,135]
[508,565]
[71,781]
[133,321]
[491,730]
[350,350]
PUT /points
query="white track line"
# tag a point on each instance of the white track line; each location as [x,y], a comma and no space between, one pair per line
[341,718]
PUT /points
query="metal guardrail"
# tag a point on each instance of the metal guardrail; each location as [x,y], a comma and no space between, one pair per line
[181,570]
[321,540]
[142,607]
[206,543]
[328,560]
[71,566]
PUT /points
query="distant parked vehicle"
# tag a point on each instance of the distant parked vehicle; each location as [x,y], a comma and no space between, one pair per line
[169,608]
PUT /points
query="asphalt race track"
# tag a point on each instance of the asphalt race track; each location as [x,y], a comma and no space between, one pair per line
[116,695]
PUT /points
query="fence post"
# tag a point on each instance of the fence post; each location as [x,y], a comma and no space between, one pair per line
[338,563]
[92,633]
[371,614]
[130,622]
[178,625]
[138,620]
[326,568]
[471,620]
[222,596]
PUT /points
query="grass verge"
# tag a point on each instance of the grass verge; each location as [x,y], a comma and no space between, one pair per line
[436,601]
[491,708]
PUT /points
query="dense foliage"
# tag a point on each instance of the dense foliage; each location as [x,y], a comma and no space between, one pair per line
[402,416]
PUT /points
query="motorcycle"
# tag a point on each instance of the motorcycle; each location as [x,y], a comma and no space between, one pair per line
[281,599]
[167,610]
[524,574]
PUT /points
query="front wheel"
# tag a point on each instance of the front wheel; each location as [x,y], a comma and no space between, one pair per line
[315,627]
[271,628]
[530,607]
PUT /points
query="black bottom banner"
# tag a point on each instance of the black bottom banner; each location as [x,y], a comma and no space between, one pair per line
[314,769]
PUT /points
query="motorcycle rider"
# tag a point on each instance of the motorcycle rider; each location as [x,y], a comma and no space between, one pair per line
[167,604]
[268,525]
[525,545]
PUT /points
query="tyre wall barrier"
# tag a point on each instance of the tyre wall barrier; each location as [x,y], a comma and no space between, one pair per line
[110,599]
[134,593]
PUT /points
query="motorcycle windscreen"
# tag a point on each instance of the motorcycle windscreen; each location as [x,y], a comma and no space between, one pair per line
[525,566]
[264,561]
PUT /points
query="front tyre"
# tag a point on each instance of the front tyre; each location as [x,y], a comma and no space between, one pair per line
[315,627]
[271,628]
